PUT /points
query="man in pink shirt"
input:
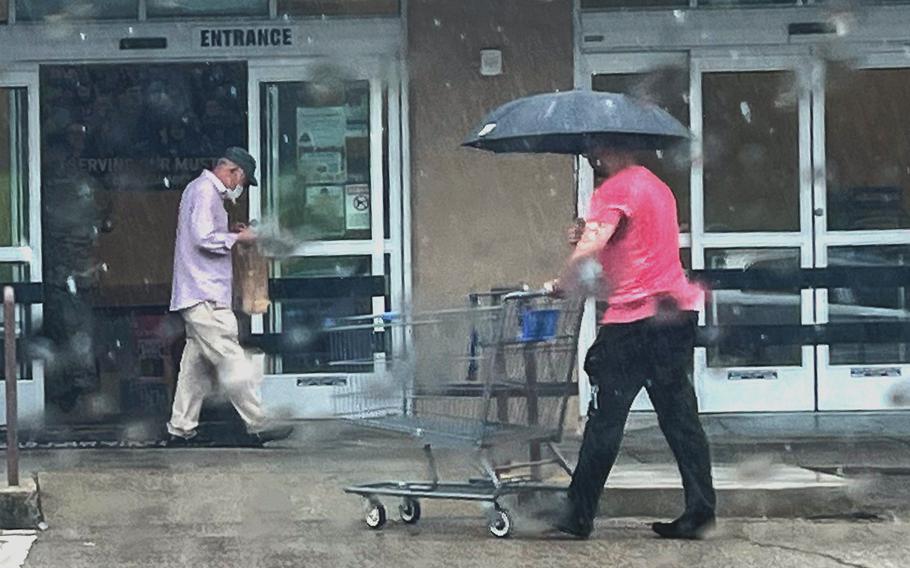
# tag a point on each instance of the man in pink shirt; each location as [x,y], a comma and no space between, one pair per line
[201,292]
[646,340]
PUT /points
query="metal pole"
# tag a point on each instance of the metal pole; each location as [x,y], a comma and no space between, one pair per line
[12,410]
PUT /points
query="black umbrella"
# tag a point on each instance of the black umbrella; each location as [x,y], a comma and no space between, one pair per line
[572,122]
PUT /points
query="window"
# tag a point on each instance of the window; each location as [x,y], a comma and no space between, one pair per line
[634,4]
[209,8]
[868,181]
[342,350]
[613,4]
[753,307]
[864,305]
[751,151]
[118,145]
[13,168]
[55,10]
[338,7]
[323,159]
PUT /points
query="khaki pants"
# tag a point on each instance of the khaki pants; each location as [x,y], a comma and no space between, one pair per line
[213,353]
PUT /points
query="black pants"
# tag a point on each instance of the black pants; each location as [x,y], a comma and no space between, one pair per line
[656,354]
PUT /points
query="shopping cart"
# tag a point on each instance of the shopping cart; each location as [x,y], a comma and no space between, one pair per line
[487,378]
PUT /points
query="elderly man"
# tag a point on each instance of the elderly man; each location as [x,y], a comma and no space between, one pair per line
[201,293]
[646,340]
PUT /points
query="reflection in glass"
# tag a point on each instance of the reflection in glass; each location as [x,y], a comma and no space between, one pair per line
[863,305]
[54,10]
[209,8]
[318,136]
[338,8]
[13,168]
[118,145]
[732,3]
[751,151]
[753,307]
[331,352]
[668,87]
[610,4]
[866,125]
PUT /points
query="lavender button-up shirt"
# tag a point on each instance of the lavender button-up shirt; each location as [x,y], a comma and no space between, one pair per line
[202,255]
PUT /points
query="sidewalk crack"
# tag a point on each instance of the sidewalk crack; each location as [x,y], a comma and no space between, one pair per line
[839,561]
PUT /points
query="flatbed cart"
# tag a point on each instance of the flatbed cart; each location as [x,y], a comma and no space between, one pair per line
[507,389]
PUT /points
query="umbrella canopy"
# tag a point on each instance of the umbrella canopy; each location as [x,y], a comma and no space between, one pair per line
[572,122]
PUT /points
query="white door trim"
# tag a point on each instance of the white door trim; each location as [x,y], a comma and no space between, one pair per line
[851,386]
[775,388]
[31,392]
[385,96]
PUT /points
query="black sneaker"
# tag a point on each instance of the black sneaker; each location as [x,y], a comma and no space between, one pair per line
[272,434]
[180,441]
[686,527]
[572,526]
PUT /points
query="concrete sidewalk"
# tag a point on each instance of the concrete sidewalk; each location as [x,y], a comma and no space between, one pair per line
[284,506]
[764,465]
[790,465]
[849,442]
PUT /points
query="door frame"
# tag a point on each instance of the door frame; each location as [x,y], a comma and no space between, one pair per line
[711,383]
[777,388]
[847,387]
[385,93]
[31,392]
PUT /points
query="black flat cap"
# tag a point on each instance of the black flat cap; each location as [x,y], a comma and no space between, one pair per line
[243,159]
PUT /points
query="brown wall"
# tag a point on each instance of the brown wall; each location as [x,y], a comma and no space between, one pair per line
[479,219]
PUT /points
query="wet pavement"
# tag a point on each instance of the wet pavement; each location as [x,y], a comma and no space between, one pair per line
[284,506]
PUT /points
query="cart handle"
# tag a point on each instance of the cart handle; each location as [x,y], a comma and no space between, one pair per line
[529,294]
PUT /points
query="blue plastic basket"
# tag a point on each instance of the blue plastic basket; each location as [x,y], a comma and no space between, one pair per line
[539,325]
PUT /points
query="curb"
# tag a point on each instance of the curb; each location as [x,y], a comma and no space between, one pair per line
[20,506]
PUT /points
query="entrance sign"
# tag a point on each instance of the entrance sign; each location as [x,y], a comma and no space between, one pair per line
[246,37]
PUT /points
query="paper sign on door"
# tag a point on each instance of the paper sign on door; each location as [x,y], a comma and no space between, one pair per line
[357,207]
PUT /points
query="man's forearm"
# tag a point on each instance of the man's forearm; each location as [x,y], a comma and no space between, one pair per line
[570,275]
[217,242]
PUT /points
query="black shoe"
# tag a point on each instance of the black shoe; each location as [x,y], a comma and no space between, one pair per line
[180,441]
[571,525]
[272,434]
[687,527]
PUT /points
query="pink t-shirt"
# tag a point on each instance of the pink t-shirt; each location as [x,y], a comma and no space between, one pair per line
[641,266]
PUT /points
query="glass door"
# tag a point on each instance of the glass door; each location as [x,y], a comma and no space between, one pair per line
[862,206]
[327,142]
[752,209]
[744,195]
[20,221]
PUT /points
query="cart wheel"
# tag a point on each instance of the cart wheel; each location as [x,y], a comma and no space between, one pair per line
[409,510]
[501,523]
[376,515]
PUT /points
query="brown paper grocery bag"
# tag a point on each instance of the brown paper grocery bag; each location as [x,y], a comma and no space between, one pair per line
[251,280]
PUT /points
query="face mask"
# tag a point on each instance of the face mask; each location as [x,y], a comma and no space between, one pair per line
[234,194]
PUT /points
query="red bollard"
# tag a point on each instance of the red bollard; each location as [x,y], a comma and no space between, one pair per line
[12,407]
